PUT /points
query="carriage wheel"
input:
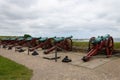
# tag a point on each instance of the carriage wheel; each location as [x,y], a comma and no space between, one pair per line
[90,45]
[49,44]
[110,45]
[69,44]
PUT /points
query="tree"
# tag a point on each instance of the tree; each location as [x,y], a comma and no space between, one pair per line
[27,35]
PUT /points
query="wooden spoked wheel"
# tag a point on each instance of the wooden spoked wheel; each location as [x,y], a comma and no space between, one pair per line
[68,45]
[90,45]
[48,44]
[110,45]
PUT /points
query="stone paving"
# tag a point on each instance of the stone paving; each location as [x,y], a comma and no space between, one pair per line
[98,68]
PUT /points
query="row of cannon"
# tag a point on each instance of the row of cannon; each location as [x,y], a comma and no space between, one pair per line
[96,44]
[33,43]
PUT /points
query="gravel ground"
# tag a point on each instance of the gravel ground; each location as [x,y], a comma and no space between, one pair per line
[50,70]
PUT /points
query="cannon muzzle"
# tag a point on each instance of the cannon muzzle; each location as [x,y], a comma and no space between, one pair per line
[69,37]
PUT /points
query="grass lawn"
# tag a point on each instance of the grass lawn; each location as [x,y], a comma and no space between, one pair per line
[117,45]
[10,70]
[80,44]
[85,45]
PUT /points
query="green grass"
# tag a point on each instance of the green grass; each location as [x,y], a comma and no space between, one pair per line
[1,37]
[10,70]
[85,44]
[80,44]
[117,45]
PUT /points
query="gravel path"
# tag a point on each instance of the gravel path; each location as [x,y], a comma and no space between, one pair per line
[50,70]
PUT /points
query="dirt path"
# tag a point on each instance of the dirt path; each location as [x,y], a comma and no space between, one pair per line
[50,70]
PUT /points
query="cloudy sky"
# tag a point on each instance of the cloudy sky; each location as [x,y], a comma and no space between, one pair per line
[80,18]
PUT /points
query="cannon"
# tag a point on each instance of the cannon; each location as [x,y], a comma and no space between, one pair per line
[64,43]
[44,43]
[4,42]
[29,42]
[19,43]
[100,43]
[11,43]
[26,42]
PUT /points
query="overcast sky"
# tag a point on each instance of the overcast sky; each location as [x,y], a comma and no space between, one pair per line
[80,18]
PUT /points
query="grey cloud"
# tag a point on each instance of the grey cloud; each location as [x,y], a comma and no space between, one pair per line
[11,10]
[13,15]
[102,15]
[60,17]
[22,3]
